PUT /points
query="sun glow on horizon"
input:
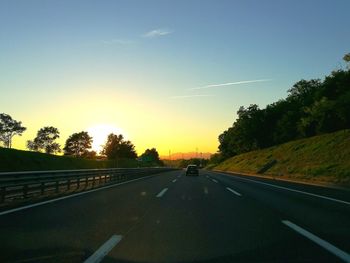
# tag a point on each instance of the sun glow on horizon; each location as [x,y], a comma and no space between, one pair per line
[99,134]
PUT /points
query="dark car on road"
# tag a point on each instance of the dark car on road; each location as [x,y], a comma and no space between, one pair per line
[192,170]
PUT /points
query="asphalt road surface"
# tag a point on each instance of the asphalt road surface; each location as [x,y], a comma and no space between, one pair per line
[173,218]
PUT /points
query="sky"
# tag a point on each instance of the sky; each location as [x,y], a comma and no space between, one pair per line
[165,74]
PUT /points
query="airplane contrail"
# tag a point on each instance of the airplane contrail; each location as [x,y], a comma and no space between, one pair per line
[231,83]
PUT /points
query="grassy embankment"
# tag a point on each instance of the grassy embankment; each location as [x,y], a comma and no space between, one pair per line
[323,158]
[17,160]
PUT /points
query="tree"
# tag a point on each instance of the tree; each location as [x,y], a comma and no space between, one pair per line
[9,128]
[89,155]
[78,144]
[216,158]
[303,92]
[45,140]
[346,58]
[151,156]
[117,147]
[321,117]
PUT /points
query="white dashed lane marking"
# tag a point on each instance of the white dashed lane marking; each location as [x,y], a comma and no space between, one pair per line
[233,191]
[104,249]
[161,193]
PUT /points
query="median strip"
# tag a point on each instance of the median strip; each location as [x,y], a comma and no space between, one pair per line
[161,193]
[104,249]
[324,244]
[233,191]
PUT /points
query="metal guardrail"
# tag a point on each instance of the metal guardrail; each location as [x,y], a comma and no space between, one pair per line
[23,185]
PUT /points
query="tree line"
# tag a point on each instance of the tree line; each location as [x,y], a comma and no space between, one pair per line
[77,145]
[311,107]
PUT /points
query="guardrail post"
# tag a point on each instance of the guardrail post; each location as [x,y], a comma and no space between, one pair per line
[78,183]
[25,191]
[86,181]
[99,179]
[3,194]
[93,181]
[57,187]
[42,188]
[68,184]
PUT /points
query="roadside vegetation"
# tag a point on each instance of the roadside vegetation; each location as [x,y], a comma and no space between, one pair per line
[17,160]
[312,107]
[304,136]
[116,152]
[322,158]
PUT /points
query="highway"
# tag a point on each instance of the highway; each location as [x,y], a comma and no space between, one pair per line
[173,218]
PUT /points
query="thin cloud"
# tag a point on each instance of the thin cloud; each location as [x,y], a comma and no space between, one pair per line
[191,96]
[231,83]
[157,33]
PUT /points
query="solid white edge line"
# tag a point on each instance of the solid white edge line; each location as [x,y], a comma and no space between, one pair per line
[70,196]
[174,180]
[215,181]
[161,193]
[290,189]
[104,249]
[233,191]
[326,245]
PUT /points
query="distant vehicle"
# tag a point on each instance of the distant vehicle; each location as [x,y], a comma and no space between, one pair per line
[192,169]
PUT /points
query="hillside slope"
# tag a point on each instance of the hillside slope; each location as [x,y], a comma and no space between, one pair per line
[323,158]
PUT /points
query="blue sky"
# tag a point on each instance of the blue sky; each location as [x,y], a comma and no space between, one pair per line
[135,64]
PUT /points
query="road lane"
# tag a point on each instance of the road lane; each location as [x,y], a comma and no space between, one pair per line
[189,224]
[70,230]
[194,219]
[326,218]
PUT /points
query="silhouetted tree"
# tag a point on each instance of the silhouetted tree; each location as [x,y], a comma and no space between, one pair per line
[78,144]
[346,58]
[89,155]
[45,140]
[303,92]
[151,156]
[9,128]
[117,147]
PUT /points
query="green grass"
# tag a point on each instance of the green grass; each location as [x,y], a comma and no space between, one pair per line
[321,158]
[17,160]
